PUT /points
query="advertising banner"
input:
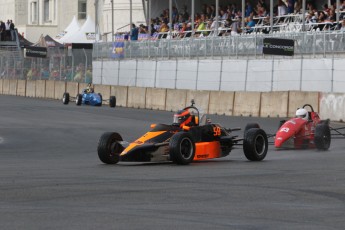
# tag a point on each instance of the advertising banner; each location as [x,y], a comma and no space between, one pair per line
[118,50]
[33,51]
[278,46]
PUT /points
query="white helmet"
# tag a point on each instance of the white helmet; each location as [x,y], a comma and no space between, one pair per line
[302,113]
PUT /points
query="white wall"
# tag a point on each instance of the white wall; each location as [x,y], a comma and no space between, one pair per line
[264,75]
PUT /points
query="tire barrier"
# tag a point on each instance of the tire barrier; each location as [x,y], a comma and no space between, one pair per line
[257,104]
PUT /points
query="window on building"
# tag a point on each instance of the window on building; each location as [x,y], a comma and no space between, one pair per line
[34,12]
[46,11]
[81,9]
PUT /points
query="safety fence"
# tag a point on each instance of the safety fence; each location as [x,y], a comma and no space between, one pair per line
[61,64]
[311,43]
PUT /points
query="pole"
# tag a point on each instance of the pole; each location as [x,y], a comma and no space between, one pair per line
[96,19]
[170,17]
[303,15]
[337,12]
[150,16]
[217,6]
[192,18]
[271,16]
[112,21]
[243,13]
[130,16]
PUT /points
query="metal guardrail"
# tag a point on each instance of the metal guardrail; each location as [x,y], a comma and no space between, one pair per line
[312,43]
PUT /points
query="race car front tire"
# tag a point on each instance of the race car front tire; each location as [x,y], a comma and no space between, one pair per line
[78,99]
[255,144]
[112,101]
[109,148]
[182,148]
[65,98]
[250,126]
[322,138]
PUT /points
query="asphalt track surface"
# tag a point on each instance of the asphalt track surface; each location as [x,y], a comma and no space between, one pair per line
[51,177]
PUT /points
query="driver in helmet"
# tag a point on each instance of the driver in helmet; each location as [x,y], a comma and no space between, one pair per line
[302,113]
[89,88]
[184,118]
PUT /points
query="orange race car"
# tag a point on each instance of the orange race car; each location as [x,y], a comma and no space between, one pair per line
[191,137]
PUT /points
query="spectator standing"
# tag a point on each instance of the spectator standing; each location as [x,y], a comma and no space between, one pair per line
[291,6]
[249,9]
[282,9]
[12,31]
[8,31]
[2,31]
[134,33]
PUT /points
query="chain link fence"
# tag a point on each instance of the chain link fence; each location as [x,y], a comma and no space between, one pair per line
[61,64]
[248,46]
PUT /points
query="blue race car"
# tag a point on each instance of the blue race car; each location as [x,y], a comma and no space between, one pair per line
[88,97]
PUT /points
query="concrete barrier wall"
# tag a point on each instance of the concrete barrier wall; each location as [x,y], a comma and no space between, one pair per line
[201,99]
[297,99]
[221,103]
[40,88]
[264,104]
[31,88]
[50,89]
[6,87]
[136,97]
[21,88]
[59,89]
[13,87]
[176,99]
[121,94]
[247,104]
[274,104]
[104,90]
[155,98]
[1,84]
[72,88]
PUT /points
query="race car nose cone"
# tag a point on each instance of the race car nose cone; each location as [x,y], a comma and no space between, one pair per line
[278,142]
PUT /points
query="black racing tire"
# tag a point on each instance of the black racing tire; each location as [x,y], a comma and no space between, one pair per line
[109,148]
[250,126]
[78,99]
[255,144]
[322,136]
[100,95]
[112,101]
[182,148]
[65,98]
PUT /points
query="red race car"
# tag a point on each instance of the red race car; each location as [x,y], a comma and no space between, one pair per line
[306,130]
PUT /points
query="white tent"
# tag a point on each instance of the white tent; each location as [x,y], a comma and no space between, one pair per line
[70,29]
[86,34]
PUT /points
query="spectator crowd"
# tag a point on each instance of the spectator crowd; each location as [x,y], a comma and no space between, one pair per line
[230,19]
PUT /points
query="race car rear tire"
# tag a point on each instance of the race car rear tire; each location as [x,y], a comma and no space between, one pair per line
[255,144]
[109,148]
[322,136]
[78,99]
[182,148]
[65,98]
[112,101]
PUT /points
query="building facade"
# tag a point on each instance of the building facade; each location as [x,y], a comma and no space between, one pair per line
[34,18]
